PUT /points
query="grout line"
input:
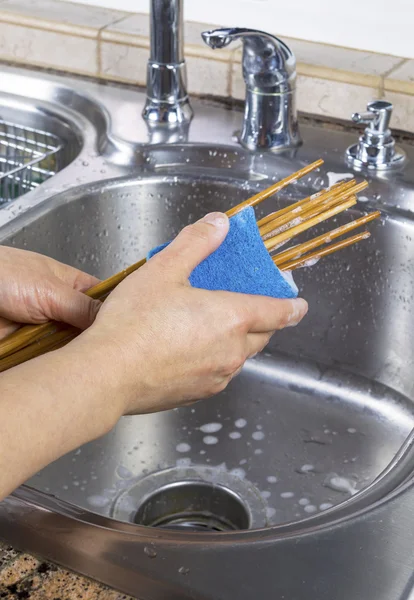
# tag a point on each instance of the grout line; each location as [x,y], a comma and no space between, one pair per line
[125,15]
[388,73]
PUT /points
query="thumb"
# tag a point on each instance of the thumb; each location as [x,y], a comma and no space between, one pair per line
[72,307]
[194,243]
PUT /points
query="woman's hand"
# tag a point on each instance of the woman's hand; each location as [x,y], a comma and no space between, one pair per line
[35,289]
[156,343]
[168,343]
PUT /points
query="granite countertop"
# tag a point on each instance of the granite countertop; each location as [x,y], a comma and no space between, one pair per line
[24,576]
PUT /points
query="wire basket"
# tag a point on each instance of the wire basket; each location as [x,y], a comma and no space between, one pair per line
[27,158]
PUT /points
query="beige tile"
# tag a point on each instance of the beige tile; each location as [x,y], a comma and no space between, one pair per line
[193,31]
[124,63]
[135,30]
[344,59]
[208,76]
[84,20]
[139,25]
[332,98]
[48,48]
[401,79]
[133,25]
[403,112]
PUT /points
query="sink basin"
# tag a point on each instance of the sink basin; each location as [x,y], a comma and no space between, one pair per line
[310,422]
[35,144]
[305,450]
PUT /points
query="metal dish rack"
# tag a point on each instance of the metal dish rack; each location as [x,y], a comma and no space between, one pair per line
[28,157]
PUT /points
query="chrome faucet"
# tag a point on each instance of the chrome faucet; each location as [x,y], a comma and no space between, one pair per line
[167,98]
[269,71]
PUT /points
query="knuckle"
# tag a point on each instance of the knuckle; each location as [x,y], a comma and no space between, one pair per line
[238,320]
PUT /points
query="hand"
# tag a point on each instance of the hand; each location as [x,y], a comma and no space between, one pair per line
[35,289]
[166,343]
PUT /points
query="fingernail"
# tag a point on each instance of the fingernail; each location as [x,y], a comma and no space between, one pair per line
[216,219]
[300,308]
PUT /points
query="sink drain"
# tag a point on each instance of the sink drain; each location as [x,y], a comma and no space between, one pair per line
[199,499]
[197,506]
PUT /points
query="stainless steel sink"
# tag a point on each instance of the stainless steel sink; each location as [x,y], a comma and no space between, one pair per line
[284,476]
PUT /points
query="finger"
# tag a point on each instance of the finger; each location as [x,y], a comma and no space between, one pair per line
[72,307]
[7,327]
[261,314]
[193,244]
[73,277]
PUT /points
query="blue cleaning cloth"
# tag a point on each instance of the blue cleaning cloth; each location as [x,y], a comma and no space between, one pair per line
[241,264]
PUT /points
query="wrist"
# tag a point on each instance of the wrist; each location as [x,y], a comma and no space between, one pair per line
[115,380]
[102,390]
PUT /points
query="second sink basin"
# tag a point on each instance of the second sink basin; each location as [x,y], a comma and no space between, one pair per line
[307,425]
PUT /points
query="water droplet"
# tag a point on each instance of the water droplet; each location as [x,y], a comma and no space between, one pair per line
[150,551]
[183,570]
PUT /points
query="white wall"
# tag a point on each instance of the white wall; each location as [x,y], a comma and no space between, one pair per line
[376,25]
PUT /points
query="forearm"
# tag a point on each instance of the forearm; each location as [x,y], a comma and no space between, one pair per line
[50,406]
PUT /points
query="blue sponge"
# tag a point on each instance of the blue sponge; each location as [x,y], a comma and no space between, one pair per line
[241,264]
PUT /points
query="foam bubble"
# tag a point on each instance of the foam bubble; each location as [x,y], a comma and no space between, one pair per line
[210,440]
[211,427]
[183,447]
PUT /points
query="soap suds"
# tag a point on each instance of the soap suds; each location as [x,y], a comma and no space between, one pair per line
[211,427]
[183,447]
[210,440]
[336,177]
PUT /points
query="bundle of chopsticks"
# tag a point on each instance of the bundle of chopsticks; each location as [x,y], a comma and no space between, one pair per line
[276,230]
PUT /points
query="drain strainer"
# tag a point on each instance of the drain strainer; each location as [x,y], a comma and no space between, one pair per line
[194,505]
[192,499]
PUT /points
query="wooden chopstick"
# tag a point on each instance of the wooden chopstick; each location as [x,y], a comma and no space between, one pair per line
[273,189]
[297,251]
[30,333]
[313,256]
[282,237]
[297,209]
[46,344]
[309,210]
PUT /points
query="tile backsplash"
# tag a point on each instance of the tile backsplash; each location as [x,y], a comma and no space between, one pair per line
[114,45]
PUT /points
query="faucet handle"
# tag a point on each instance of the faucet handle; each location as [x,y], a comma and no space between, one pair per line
[269,72]
[378,116]
[267,61]
[376,149]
